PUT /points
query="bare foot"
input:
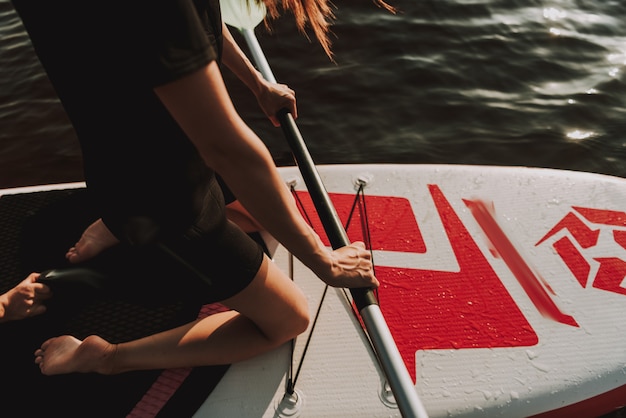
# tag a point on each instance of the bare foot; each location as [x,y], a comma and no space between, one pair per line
[94,240]
[66,354]
[24,300]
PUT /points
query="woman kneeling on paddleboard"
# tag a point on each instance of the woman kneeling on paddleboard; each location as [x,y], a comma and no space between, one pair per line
[141,83]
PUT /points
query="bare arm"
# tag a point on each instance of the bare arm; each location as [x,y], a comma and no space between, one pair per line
[272,97]
[200,104]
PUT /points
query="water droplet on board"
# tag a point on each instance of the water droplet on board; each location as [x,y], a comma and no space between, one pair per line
[540,366]
[532,354]
[553,202]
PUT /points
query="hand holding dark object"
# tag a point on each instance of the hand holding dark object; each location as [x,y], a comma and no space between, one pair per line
[25,300]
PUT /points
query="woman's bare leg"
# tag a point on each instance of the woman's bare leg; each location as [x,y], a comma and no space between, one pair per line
[235,212]
[269,312]
[93,241]
[24,300]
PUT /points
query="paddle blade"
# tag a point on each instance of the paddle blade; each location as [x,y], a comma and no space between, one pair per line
[242,14]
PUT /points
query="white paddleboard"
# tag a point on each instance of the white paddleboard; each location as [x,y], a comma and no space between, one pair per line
[502,286]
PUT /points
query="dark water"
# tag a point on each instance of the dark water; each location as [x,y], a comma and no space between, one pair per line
[504,82]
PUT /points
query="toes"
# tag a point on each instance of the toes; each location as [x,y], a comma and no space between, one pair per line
[72,255]
[45,345]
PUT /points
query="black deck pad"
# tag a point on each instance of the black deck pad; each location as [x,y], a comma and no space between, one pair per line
[36,229]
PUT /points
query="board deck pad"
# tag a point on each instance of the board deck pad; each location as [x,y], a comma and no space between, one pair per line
[36,229]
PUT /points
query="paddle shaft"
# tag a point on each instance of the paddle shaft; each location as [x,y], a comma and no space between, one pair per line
[387,352]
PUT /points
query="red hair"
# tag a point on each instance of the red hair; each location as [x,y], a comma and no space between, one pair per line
[318,14]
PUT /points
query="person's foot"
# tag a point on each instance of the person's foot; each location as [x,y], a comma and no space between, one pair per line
[94,240]
[24,300]
[66,354]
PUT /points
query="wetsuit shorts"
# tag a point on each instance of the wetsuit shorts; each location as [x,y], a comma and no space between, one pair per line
[214,256]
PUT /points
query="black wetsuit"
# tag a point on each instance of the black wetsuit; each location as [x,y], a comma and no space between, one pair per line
[104,60]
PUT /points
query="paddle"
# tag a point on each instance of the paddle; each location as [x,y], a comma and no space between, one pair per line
[245,15]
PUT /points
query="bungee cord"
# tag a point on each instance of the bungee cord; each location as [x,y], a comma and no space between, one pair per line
[359,202]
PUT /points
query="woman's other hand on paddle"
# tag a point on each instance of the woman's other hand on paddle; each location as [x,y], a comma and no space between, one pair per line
[273,97]
[351,267]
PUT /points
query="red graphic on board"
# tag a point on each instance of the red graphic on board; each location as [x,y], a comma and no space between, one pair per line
[430,309]
[581,230]
[390,222]
[537,289]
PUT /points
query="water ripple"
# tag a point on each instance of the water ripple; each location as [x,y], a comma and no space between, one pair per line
[507,82]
